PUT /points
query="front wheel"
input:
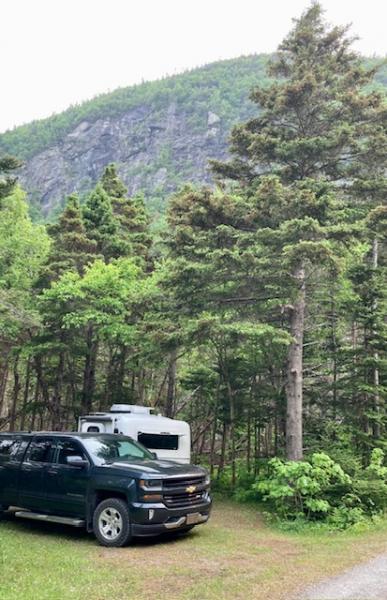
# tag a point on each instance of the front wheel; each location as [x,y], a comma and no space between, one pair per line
[111,523]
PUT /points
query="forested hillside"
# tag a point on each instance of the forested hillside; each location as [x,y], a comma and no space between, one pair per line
[258,313]
[160,134]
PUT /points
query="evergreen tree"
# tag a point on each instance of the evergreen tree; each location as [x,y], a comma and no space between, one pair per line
[316,124]
[71,249]
[8,164]
[129,212]
[101,226]
[112,184]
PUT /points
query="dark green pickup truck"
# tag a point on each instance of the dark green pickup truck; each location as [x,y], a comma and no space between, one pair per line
[108,483]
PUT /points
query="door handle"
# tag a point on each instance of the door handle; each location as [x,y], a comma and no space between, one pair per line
[52,472]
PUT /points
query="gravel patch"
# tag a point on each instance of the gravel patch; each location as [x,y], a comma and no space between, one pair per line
[363,582]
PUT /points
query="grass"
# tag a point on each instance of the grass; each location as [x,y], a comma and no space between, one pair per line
[235,556]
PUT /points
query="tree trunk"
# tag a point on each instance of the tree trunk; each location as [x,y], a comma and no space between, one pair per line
[57,399]
[376,424]
[3,382]
[223,450]
[213,434]
[15,394]
[42,384]
[89,371]
[35,405]
[170,399]
[119,383]
[249,420]
[294,382]
[257,446]
[25,395]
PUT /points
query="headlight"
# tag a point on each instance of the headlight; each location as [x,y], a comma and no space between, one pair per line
[208,479]
[151,484]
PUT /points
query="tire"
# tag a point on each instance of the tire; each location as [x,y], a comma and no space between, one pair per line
[111,523]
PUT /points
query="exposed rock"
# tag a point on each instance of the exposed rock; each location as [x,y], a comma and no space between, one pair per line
[153,150]
[82,127]
[212,119]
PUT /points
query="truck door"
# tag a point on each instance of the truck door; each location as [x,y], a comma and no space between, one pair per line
[11,453]
[33,473]
[67,486]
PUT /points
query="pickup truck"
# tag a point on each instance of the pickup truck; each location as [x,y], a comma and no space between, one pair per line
[108,483]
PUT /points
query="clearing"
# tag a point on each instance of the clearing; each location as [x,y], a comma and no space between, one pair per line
[235,556]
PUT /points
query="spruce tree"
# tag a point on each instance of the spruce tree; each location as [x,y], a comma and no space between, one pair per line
[315,121]
[71,249]
[130,213]
[8,164]
[100,224]
[316,126]
[132,240]
[112,184]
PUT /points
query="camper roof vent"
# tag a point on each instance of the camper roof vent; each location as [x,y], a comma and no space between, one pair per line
[131,408]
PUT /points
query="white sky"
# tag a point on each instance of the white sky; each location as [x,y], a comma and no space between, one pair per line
[59,52]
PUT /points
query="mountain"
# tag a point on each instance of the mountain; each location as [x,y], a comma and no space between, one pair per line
[159,134]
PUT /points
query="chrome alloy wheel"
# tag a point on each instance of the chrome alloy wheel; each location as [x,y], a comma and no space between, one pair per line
[110,523]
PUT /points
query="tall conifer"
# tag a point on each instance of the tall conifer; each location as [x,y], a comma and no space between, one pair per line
[316,126]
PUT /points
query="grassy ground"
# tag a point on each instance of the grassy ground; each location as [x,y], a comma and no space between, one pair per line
[235,556]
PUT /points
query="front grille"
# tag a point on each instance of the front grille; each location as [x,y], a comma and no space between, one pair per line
[177,495]
[183,482]
[183,500]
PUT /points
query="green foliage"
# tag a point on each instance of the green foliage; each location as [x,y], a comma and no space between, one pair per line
[101,226]
[23,249]
[71,249]
[320,490]
[98,298]
[23,245]
[8,164]
[130,214]
[303,487]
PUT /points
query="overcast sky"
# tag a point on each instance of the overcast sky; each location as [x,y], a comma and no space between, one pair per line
[59,52]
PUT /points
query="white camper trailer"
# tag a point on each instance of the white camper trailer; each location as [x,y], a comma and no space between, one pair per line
[168,438]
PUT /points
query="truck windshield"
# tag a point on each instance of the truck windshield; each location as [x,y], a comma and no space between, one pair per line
[106,449]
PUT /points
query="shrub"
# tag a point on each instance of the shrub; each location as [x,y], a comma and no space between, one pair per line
[304,488]
[371,485]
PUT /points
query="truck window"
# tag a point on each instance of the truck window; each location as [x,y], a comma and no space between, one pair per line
[12,449]
[69,448]
[40,450]
[110,448]
[6,448]
[159,441]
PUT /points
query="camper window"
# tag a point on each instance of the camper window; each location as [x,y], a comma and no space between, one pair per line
[158,441]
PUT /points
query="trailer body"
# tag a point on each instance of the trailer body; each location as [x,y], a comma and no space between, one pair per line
[169,438]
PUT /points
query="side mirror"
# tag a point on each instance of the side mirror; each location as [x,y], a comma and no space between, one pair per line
[154,455]
[77,461]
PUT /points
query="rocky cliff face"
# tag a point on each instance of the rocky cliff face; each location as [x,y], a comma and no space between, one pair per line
[154,153]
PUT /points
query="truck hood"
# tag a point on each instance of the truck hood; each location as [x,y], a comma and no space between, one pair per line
[159,468]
